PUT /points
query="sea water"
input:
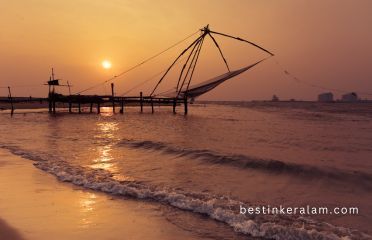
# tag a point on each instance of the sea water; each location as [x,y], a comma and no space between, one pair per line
[218,159]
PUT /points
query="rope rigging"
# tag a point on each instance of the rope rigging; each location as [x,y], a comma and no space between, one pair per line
[137,65]
[192,65]
[183,52]
[145,81]
[184,78]
[197,44]
[189,57]
[224,59]
[309,84]
[193,68]
[184,66]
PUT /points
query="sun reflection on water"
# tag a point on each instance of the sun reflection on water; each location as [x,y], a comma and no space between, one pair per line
[87,203]
[87,208]
[107,130]
[106,111]
[104,159]
[105,136]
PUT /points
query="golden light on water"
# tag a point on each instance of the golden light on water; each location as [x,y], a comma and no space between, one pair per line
[87,207]
[87,203]
[106,64]
[103,160]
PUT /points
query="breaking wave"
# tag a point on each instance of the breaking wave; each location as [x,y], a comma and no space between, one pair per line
[219,208]
[243,161]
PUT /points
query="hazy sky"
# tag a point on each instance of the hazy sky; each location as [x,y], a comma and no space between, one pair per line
[322,42]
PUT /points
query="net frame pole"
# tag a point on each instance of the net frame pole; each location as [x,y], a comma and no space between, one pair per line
[174,62]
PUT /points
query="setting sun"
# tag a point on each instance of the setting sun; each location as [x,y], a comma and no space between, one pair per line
[106,64]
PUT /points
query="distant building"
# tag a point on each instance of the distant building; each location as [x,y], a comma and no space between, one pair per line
[275,98]
[325,97]
[350,97]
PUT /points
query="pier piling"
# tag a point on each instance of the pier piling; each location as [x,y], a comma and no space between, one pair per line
[70,106]
[141,102]
[185,104]
[122,106]
[54,103]
[11,101]
[174,105]
[152,105]
[113,97]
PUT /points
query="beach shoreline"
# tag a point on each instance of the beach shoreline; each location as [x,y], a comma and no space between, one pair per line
[8,232]
[36,206]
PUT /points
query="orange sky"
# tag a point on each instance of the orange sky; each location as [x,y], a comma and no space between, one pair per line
[322,42]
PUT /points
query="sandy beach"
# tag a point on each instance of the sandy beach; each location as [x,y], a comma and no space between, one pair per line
[7,232]
[34,205]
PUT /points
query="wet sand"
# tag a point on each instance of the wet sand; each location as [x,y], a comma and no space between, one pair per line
[34,205]
[8,232]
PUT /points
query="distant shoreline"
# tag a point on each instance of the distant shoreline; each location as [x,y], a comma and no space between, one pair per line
[38,105]
[254,103]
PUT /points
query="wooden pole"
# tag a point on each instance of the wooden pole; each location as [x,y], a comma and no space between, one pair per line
[98,107]
[70,100]
[141,102]
[91,107]
[185,104]
[174,104]
[112,96]
[70,105]
[49,99]
[79,104]
[11,101]
[54,101]
[69,88]
[122,106]
[152,105]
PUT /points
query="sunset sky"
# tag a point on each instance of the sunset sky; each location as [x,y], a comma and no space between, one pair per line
[321,42]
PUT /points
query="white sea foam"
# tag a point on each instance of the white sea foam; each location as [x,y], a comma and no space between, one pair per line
[219,208]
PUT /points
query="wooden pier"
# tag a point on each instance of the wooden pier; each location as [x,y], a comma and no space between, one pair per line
[97,101]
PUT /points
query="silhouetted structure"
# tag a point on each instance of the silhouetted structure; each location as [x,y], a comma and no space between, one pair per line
[350,97]
[184,90]
[325,97]
[275,98]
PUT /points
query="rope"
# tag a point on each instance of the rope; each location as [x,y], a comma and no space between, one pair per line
[143,82]
[179,56]
[219,49]
[147,80]
[137,65]
[296,79]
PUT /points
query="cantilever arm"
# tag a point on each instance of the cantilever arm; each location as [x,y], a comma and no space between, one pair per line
[215,42]
[243,40]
